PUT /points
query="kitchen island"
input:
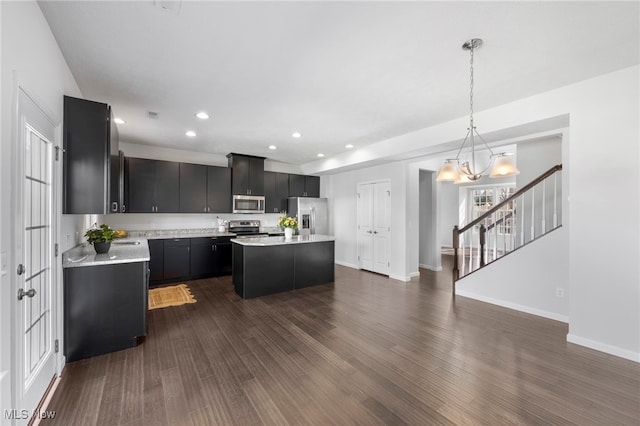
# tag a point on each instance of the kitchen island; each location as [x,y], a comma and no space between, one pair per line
[267,265]
[105,298]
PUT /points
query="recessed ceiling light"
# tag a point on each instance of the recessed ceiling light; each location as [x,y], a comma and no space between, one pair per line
[296,135]
[321,155]
[190,133]
[202,115]
[119,120]
[273,147]
[348,146]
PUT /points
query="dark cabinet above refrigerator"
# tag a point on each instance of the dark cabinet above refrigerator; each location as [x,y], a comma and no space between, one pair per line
[92,174]
[247,174]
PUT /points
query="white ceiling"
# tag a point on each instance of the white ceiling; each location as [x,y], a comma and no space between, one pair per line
[337,72]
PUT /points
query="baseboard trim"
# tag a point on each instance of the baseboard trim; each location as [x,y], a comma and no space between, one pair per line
[348,265]
[515,306]
[431,268]
[603,347]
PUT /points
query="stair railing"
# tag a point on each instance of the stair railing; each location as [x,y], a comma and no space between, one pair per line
[471,253]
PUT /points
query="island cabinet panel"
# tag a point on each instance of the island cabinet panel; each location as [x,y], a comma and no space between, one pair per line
[273,269]
[193,188]
[219,189]
[276,191]
[153,186]
[314,264]
[105,308]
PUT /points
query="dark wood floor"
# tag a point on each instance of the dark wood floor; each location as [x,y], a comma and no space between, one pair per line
[367,350]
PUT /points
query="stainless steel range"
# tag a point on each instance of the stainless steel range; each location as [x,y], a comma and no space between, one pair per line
[246,228]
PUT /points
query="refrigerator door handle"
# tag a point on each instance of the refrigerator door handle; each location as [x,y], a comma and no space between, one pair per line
[312,226]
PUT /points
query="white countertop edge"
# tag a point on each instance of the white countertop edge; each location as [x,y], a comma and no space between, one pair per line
[85,255]
[279,241]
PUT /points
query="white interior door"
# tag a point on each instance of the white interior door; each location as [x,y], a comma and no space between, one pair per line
[34,357]
[381,227]
[374,226]
[365,226]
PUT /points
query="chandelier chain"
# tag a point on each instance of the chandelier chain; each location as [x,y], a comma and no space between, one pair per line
[471,86]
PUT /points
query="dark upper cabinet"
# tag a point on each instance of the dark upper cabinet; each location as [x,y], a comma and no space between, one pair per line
[247,174]
[91,166]
[276,191]
[205,189]
[193,188]
[304,186]
[219,189]
[153,186]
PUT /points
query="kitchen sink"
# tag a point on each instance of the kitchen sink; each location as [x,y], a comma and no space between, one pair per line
[126,243]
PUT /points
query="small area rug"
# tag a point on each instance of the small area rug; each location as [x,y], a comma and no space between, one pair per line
[174,295]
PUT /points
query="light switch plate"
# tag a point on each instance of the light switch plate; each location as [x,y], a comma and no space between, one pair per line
[4,263]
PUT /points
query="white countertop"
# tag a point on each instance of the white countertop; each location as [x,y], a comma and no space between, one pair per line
[125,250]
[278,241]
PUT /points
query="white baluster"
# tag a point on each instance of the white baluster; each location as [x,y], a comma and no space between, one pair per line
[533,213]
[462,266]
[522,222]
[495,236]
[544,210]
[555,200]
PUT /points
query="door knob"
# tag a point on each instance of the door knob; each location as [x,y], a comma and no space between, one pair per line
[21,269]
[29,293]
[375,232]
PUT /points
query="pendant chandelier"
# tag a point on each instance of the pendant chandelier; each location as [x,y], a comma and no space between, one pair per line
[467,169]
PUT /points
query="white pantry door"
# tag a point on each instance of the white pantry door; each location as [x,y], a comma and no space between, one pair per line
[374,226]
[35,356]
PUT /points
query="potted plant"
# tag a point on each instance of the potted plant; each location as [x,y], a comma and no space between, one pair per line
[101,237]
[289,224]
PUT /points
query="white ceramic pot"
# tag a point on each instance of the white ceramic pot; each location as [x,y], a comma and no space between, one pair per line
[288,233]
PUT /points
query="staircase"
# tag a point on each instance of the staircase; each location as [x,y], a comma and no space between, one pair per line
[530,213]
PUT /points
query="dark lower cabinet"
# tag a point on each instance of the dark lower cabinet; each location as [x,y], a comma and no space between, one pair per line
[156,264]
[210,256]
[189,258]
[177,259]
[105,308]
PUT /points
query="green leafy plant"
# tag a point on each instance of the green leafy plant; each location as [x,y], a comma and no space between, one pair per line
[288,222]
[100,234]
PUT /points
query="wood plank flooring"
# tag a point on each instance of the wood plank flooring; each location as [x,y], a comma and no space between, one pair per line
[365,350]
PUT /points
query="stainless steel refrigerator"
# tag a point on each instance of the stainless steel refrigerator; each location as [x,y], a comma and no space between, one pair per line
[312,214]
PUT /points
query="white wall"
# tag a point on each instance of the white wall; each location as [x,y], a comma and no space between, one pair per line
[449,204]
[604,276]
[160,221]
[30,54]
[428,246]
[343,190]
[526,279]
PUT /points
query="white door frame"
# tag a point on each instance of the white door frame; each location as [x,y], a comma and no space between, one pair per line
[56,263]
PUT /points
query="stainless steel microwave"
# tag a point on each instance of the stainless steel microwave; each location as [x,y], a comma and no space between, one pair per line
[248,204]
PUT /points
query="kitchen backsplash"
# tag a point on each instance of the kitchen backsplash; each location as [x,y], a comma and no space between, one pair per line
[142,221]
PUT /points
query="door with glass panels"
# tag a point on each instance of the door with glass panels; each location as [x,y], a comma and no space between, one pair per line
[34,177]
